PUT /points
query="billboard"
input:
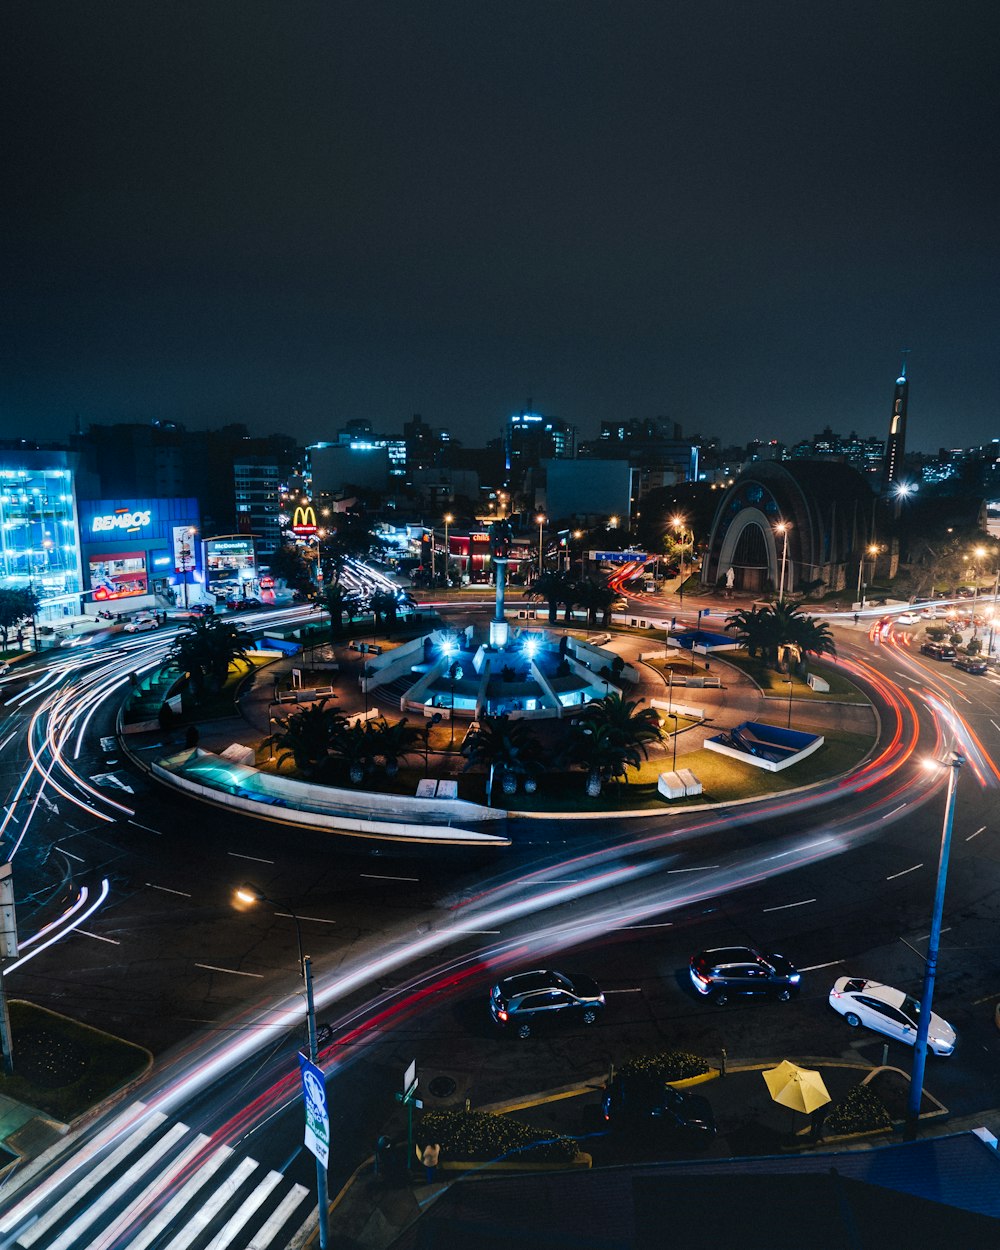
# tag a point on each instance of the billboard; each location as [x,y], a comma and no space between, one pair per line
[119,576]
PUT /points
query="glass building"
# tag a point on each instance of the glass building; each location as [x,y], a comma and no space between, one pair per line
[39,538]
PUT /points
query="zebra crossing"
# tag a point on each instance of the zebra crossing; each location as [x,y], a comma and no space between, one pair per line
[147,1183]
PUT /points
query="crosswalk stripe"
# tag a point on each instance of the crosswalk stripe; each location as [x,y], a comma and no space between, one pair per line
[265,1237]
[237,1221]
[181,1198]
[202,1218]
[160,1181]
[111,1195]
[23,1175]
[92,1176]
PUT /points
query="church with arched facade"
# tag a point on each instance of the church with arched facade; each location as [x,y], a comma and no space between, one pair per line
[827,510]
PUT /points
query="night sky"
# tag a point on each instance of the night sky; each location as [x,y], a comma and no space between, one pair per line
[292,214]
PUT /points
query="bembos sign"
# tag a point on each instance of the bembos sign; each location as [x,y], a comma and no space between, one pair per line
[121,519]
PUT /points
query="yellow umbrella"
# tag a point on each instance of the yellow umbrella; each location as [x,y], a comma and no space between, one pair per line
[802,1089]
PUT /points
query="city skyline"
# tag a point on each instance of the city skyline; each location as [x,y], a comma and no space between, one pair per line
[296,216]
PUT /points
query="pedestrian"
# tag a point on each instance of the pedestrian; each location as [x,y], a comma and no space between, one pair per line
[431,1156]
[20,639]
[856,618]
[382,1148]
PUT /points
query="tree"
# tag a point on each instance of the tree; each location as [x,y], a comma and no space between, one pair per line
[552,587]
[610,736]
[305,736]
[339,603]
[803,634]
[383,603]
[501,743]
[357,746]
[289,565]
[755,629]
[781,628]
[15,606]
[207,650]
[394,742]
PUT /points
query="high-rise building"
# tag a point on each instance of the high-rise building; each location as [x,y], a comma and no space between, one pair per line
[895,447]
[530,438]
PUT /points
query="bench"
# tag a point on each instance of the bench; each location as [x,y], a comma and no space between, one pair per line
[427,788]
[679,784]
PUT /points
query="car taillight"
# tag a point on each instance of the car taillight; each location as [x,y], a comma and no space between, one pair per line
[699,976]
[835,994]
[502,1015]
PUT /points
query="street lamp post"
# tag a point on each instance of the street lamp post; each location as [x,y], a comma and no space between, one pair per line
[448,518]
[930,965]
[679,523]
[541,523]
[993,614]
[789,725]
[250,894]
[782,528]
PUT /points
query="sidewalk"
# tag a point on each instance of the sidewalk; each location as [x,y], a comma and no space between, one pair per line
[373,1213]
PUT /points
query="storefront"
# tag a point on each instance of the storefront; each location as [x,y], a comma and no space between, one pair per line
[231,567]
[39,545]
[140,553]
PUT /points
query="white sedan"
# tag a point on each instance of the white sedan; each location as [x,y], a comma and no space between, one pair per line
[907,618]
[888,1011]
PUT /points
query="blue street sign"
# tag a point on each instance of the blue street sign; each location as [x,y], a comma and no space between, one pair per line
[317,1113]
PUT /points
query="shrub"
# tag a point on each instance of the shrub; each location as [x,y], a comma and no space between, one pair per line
[861,1111]
[936,633]
[483,1137]
[668,1065]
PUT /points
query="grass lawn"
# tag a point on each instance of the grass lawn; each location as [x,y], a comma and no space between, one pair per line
[776,684]
[63,1067]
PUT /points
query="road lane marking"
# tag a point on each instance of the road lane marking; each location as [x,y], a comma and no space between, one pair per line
[894,811]
[166,889]
[256,858]
[976,834]
[148,828]
[816,967]
[904,872]
[287,915]
[785,906]
[635,990]
[927,935]
[662,924]
[381,876]
[69,855]
[235,972]
[703,868]
[487,932]
[99,937]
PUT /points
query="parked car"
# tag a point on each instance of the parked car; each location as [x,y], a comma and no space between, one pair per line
[971,663]
[243,605]
[644,1105]
[530,1001]
[141,622]
[888,1011]
[938,650]
[737,971]
[907,618]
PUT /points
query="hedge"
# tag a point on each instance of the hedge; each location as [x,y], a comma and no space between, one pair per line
[484,1137]
[861,1111]
[668,1065]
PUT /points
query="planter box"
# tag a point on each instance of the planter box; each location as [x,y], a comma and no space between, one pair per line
[581,1162]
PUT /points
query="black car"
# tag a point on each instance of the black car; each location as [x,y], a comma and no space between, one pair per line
[645,1105]
[529,1001]
[971,664]
[731,971]
[938,650]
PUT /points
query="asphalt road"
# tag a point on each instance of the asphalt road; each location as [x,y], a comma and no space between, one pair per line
[170,963]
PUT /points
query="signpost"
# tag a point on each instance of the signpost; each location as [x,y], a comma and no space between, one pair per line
[619,557]
[409,1100]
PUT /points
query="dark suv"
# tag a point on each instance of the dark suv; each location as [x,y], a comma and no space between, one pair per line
[731,971]
[938,650]
[529,1001]
[643,1105]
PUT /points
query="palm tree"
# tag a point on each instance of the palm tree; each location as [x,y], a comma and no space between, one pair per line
[508,745]
[383,603]
[206,652]
[339,603]
[552,587]
[756,629]
[804,635]
[781,627]
[306,735]
[394,742]
[357,746]
[595,598]
[612,735]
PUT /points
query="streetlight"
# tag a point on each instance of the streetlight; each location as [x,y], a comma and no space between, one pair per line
[448,518]
[679,523]
[930,965]
[782,528]
[250,895]
[871,550]
[541,522]
[789,725]
[577,534]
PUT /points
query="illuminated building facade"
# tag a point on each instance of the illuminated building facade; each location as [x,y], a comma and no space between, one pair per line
[39,538]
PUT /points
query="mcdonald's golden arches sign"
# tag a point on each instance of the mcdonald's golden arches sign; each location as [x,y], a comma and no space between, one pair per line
[304,519]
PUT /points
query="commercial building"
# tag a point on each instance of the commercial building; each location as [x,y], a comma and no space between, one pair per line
[39,538]
[140,553]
